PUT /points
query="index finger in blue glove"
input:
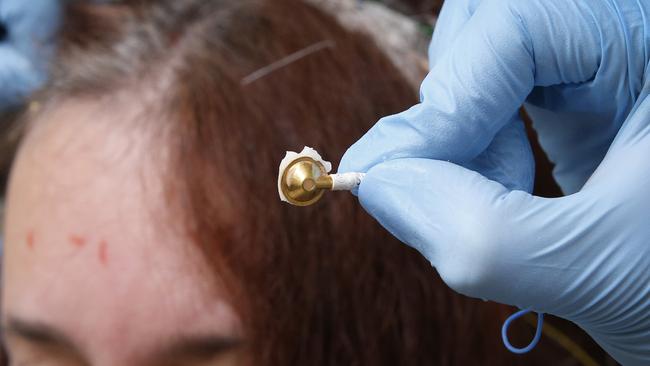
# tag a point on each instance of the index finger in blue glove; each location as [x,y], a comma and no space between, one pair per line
[453,17]
[27,46]
[505,49]
[30,25]
[17,77]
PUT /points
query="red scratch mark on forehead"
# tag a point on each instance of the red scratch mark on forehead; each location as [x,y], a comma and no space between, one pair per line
[77,241]
[103,252]
[29,240]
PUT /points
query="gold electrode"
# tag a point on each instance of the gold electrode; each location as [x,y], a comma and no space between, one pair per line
[304,181]
[304,177]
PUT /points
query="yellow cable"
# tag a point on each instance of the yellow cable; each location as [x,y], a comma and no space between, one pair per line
[563,341]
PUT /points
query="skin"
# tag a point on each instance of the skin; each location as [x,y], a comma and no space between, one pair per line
[93,273]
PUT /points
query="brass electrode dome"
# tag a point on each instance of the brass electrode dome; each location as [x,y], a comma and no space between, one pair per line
[304,181]
[304,177]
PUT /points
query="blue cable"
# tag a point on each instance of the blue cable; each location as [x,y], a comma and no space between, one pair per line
[533,343]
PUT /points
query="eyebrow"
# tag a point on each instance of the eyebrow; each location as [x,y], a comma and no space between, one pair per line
[195,347]
[40,333]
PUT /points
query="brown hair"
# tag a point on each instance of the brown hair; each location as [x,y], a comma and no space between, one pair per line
[322,285]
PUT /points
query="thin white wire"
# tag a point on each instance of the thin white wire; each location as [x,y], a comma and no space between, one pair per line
[285,61]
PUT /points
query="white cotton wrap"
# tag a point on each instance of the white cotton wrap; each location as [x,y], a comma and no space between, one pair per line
[346,181]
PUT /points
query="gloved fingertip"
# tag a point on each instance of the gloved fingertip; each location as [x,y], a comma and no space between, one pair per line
[386,195]
[347,163]
[389,193]
[17,78]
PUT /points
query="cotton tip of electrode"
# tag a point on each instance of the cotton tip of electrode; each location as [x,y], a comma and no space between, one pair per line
[304,177]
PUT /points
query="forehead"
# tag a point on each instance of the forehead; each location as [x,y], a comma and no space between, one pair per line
[90,246]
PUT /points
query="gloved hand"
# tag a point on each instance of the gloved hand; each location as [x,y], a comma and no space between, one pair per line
[26,47]
[581,68]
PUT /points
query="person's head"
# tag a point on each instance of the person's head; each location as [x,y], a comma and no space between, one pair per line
[143,224]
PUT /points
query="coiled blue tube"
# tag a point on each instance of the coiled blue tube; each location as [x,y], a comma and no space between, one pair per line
[533,343]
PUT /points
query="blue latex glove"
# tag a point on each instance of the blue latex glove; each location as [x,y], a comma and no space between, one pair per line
[581,68]
[27,47]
